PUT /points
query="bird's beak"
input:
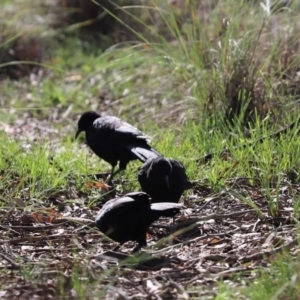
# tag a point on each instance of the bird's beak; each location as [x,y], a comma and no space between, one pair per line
[166,180]
[77,133]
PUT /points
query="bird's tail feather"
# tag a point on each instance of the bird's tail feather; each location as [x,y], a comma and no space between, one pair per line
[144,154]
[166,209]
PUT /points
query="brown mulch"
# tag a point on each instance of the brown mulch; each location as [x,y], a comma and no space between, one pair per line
[215,237]
[48,245]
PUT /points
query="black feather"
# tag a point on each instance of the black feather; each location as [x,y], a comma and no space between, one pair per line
[164,179]
[128,218]
[114,140]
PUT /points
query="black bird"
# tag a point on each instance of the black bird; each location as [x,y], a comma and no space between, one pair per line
[114,140]
[128,218]
[164,179]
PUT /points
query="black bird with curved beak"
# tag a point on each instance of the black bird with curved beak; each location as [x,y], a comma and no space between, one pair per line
[164,179]
[128,218]
[114,140]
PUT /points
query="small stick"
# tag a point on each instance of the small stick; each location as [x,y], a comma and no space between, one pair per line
[12,262]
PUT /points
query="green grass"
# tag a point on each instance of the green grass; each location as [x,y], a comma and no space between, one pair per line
[174,84]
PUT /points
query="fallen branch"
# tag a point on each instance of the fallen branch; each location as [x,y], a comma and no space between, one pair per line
[261,255]
[256,256]
[34,239]
[81,221]
[14,265]
[211,217]
[29,228]
[233,271]
[197,239]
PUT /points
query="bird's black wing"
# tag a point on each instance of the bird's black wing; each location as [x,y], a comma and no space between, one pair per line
[134,200]
[112,207]
[122,131]
[117,132]
[135,140]
[143,154]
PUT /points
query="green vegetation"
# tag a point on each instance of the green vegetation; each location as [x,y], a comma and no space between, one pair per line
[197,77]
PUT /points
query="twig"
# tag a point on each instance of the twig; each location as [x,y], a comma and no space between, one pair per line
[199,238]
[14,265]
[226,274]
[256,223]
[83,221]
[34,239]
[252,257]
[29,228]
[218,257]
[207,202]
[261,255]
[210,217]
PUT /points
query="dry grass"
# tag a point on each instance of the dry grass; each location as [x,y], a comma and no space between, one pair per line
[241,67]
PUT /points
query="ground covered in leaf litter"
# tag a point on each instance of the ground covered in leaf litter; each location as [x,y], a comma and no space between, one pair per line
[45,250]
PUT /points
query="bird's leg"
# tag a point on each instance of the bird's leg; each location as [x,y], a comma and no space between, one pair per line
[122,167]
[110,177]
[116,172]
